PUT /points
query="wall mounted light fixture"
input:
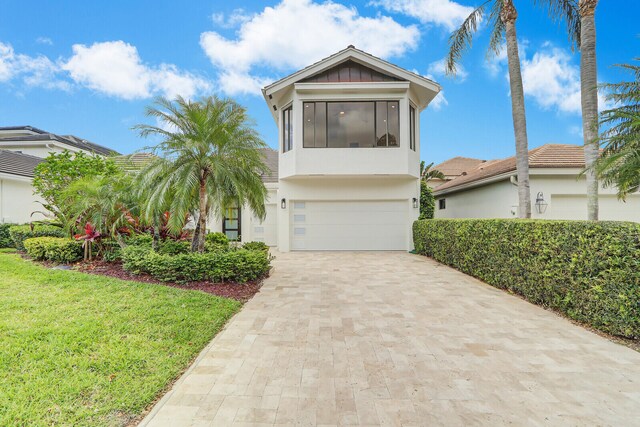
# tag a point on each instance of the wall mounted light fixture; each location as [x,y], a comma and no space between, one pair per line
[541,205]
[283,204]
[415,203]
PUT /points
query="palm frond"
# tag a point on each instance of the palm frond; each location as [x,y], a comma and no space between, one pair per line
[461,39]
[564,10]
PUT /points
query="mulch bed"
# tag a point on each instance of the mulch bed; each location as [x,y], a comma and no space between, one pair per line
[242,292]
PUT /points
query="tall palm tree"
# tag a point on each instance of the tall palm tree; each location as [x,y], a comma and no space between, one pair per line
[502,16]
[589,94]
[580,17]
[427,173]
[619,164]
[209,158]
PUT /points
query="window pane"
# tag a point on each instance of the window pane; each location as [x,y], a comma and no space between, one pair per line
[309,124]
[393,116]
[350,124]
[381,124]
[412,128]
[285,130]
[321,124]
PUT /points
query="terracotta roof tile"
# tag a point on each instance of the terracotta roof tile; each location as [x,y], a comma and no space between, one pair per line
[546,156]
[457,165]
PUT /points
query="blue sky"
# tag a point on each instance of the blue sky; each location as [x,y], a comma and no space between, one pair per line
[90,68]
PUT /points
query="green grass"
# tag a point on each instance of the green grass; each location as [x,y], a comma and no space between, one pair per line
[79,349]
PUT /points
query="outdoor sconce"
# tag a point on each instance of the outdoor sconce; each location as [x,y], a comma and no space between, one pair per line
[415,203]
[541,205]
[283,204]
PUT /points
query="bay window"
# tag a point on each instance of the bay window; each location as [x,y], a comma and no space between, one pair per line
[351,124]
[287,131]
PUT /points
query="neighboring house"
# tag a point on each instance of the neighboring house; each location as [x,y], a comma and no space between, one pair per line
[453,168]
[346,174]
[557,190]
[21,149]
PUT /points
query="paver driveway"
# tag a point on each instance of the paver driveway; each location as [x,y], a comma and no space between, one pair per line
[396,339]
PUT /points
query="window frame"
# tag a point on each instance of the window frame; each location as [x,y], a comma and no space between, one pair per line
[287,135]
[326,124]
[442,204]
[412,126]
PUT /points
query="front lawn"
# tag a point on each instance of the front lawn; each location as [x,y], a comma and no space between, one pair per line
[79,349]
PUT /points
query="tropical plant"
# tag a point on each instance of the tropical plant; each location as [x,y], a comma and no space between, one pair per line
[108,203]
[209,159]
[59,171]
[501,17]
[427,173]
[90,235]
[427,201]
[619,164]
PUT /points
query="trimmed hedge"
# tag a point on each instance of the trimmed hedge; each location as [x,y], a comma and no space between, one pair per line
[19,233]
[5,238]
[588,270]
[237,266]
[56,249]
[256,246]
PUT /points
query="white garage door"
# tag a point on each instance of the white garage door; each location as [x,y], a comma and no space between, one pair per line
[362,225]
[266,231]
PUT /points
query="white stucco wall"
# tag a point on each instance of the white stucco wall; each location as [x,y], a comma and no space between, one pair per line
[496,200]
[562,190]
[17,201]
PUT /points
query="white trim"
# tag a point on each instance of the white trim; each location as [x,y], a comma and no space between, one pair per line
[13,177]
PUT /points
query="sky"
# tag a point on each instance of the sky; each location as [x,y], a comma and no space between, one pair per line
[91,68]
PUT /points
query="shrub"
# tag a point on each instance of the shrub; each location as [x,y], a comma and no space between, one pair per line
[255,246]
[217,239]
[233,266]
[140,240]
[5,237]
[109,250]
[56,249]
[19,233]
[427,201]
[588,270]
[174,247]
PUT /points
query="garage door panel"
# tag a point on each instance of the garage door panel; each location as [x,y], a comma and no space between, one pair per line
[365,225]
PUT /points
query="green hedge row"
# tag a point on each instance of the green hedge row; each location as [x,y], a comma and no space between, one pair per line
[56,249]
[588,270]
[19,233]
[233,266]
[5,238]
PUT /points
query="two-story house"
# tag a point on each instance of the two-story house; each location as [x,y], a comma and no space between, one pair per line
[348,158]
[22,148]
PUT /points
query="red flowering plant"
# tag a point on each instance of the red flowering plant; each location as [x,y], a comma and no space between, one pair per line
[90,235]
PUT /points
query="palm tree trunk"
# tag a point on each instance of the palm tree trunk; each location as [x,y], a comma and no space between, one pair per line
[509,16]
[589,94]
[202,216]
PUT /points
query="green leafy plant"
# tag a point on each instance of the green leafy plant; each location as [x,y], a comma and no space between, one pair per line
[19,233]
[427,201]
[237,266]
[174,247]
[256,246]
[5,237]
[57,249]
[588,270]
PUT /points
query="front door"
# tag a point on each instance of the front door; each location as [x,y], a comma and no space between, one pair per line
[231,223]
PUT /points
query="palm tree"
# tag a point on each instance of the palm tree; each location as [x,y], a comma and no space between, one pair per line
[209,159]
[619,164]
[426,173]
[581,25]
[502,16]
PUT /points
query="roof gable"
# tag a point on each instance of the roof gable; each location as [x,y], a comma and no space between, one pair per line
[349,71]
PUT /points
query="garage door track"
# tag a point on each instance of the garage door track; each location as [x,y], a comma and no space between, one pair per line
[389,338]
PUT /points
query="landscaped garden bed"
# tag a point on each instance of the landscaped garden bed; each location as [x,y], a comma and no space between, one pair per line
[80,349]
[589,271]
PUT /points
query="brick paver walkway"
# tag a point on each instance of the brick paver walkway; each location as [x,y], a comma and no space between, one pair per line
[397,339]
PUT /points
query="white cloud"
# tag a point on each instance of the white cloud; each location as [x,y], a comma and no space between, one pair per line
[296,33]
[44,40]
[552,80]
[236,18]
[115,68]
[446,13]
[439,101]
[438,68]
[33,70]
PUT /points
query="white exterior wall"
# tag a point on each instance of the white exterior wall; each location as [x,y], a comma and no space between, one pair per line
[495,200]
[17,200]
[562,190]
[38,149]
